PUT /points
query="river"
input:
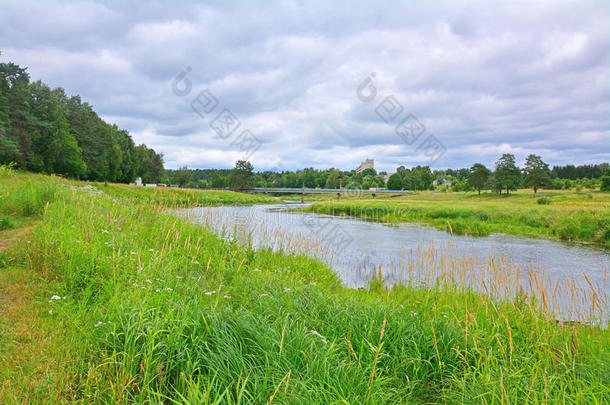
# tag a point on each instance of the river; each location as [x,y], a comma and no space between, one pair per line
[572,278]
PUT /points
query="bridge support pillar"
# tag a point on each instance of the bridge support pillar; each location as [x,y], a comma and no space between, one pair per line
[302,197]
[338,196]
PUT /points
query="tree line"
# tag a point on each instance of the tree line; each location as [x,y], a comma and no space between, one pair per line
[44,130]
[505,177]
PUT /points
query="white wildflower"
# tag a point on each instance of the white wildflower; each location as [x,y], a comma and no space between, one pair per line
[210,292]
[180,277]
[157,290]
[149,281]
[264,295]
[50,312]
[169,289]
[227,296]
[100,323]
[151,250]
[286,289]
[313,332]
[133,253]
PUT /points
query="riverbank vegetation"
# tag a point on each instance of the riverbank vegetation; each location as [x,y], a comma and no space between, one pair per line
[566,216]
[107,298]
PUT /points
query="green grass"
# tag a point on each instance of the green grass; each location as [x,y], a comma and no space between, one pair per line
[180,197]
[157,309]
[566,216]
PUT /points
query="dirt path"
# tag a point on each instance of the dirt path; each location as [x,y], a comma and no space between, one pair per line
[10,237]
[26,356]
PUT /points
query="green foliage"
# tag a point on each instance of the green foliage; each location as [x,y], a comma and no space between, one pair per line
[6,223]
[181,177]
[570,217]
[605,186]
[507,173]
[537,173]
[242,176]
[157,309]
[43,130]
[394,182]
[333,180]
[479,176]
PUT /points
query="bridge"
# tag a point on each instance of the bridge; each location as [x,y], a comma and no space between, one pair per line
[338,191]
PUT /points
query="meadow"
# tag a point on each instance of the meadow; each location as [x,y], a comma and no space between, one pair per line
[107,298]
[562,215]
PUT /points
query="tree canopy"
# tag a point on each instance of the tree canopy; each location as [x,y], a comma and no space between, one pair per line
[242,176]
[537,173]
[478,177]
[507,173]
[44,130]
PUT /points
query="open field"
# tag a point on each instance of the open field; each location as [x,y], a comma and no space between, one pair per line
[567,216]
[106,298]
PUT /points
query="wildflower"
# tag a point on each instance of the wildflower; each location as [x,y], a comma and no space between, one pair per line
[100,323]
[286,289]
[257,269]
[169,289]
[55,297]
[157,290]
[196,262]
[133,253]
[210,292]
[264,295]
[149,281]
[180,277]
[313,332]
[227,296]
[50,312]
[104,231]
[151,250]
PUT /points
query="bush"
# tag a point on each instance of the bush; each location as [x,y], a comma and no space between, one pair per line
[544,201]
[6,223]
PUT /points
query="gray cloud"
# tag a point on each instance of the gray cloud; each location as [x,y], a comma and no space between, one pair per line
[484,77]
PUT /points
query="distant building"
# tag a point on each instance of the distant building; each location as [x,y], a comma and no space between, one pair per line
[367,164]
[442,182]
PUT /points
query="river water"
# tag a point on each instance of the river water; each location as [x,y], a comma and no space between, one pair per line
[572,279]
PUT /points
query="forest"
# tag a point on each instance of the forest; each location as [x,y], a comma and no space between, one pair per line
[44,130]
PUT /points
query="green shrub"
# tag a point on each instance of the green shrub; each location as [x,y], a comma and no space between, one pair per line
[5,223]
[544,200]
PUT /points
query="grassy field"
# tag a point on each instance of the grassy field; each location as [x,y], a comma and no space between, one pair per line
[105,298]
[560,215]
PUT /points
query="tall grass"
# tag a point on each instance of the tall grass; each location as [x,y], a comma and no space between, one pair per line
[157,309]
[572,218]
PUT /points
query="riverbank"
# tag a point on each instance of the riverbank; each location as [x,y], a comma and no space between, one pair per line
[583,217]
[127,303]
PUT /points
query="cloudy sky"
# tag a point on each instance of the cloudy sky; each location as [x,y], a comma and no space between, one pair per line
[313,83]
